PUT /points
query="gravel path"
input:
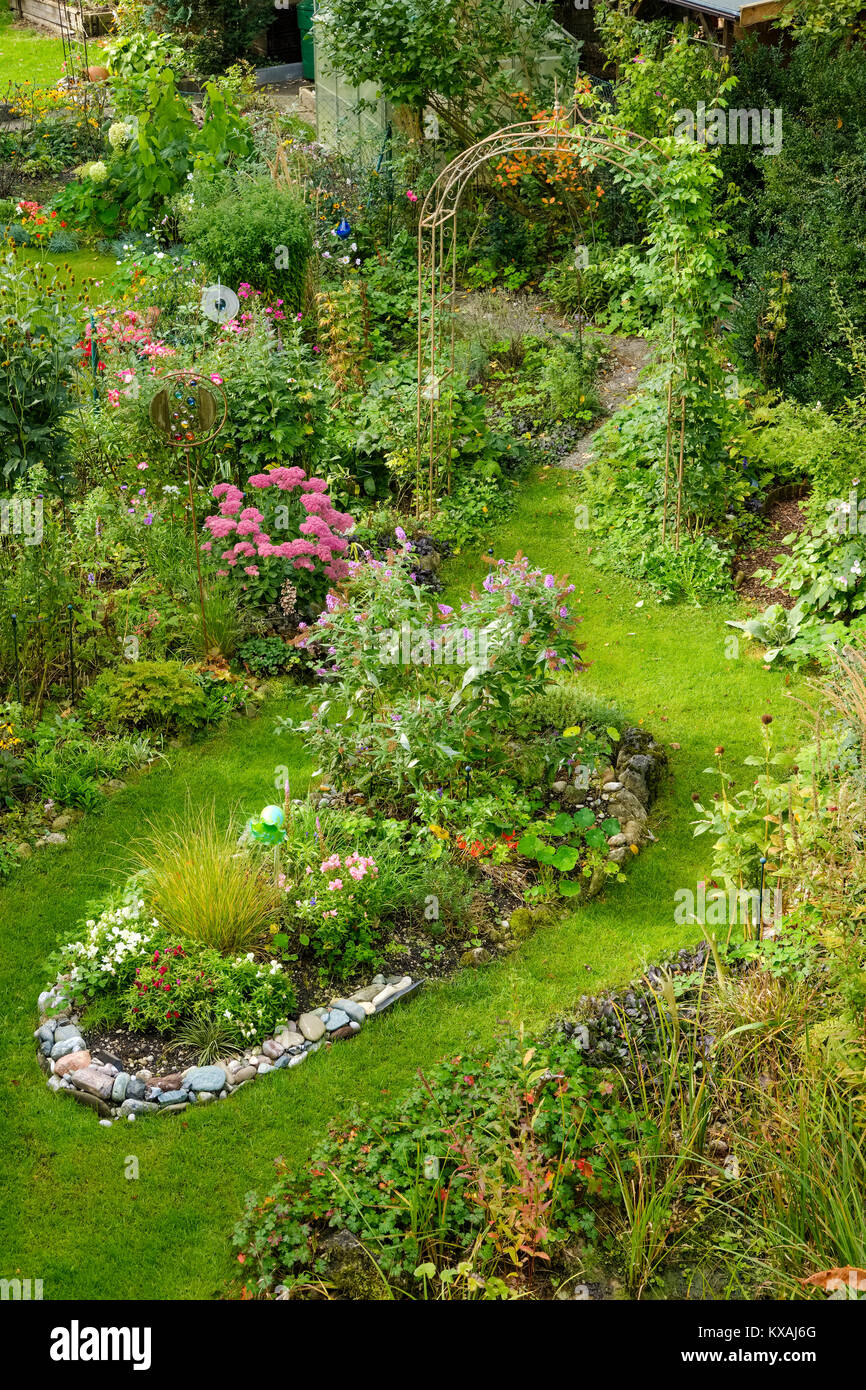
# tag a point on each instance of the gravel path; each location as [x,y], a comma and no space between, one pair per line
[617,381]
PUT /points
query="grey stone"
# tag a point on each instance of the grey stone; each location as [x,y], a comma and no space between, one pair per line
[625,806]
[366,996]
[336,1019]
[311,1026]
[93,1102]
[173,1109]
[635,782]
[300,1057]
[54,837]
[138,1107]
[352,1008]
[272,1049]
[634,832]
[118,1090]
[73,1044]
[135,1089]
[617,856]
[612,787]
[243,1074]
[171,1098]
[203,1098]
[282,1061]
[206,1079]
[64,1031]
[476,956]
[263,1068]
[45,1033]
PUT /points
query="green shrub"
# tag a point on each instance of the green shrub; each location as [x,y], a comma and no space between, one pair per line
[203,886]
[148,695]
[250,231]
[267,656]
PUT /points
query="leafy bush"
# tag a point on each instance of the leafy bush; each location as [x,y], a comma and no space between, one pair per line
[147,695]
[250,231]
[491,1160]
[267,656]
[203,886]
[38,349]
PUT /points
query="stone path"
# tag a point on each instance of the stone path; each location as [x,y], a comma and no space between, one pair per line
[617,381]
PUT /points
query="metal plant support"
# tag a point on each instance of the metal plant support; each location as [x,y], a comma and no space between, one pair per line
[437,278]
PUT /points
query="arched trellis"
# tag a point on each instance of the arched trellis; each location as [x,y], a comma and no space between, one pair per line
[634,155]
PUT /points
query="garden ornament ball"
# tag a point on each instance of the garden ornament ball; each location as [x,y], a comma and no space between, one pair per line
[344,229]
[269,829]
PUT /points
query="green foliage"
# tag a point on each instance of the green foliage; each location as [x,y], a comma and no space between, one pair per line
[38,352]
[250,231]
[267,656]
[579,841]
[416,55]
[213,32]
[493,1157]
[147,695]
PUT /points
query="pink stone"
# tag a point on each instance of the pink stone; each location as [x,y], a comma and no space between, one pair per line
[93,1080]
[73,1061]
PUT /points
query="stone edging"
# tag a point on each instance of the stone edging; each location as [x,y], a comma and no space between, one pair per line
[98,1081]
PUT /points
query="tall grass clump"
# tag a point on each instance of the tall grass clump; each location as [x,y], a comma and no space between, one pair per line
[203,885]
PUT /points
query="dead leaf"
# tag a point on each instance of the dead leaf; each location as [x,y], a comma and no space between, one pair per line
[845,1277]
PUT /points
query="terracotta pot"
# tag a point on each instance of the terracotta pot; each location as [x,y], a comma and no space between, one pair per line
[97,74]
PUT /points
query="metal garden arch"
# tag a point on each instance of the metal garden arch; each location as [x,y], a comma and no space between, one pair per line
[437,271]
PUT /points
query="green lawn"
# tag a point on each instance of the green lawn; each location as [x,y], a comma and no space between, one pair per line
[71,1218]
[26,55]
[92,272]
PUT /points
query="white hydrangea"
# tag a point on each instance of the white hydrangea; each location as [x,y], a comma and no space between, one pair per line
[119,134]
[97,172]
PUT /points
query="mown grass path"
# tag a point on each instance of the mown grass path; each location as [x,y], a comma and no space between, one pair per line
[69,1215]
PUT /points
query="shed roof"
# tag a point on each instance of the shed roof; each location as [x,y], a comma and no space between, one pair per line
[744,12]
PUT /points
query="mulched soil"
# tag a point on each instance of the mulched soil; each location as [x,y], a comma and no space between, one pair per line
[411,951]
[782,518]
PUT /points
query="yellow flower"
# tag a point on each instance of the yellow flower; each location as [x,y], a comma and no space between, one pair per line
[438,831]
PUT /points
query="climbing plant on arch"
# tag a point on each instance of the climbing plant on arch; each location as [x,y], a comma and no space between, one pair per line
[685,267]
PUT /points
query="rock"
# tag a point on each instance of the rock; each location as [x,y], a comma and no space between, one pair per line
[617,841]
[476,956]
[135,1089]
[134,1106]
[291,1041]
[365,996]
[173,1108]
[336,1019]
[64,1031]
[105,1123]
[23,850]
[617,856]
[61,822]
[263,1068]
[242,1075]
[173,1082]
[54,837]
[311,1026]
[346,1032]
[205,1098]
[45,1033]
[625,807]
[352,1008]
[559,788]
[612,787]
[73,1061]
[171,1097]
[118,1090]
[94,1102]
[635,782]
[206,1079]
[296,1060]
[74,1044]
[272,1049]
[93,1080]
[348,1267]
[58,1083]
[633,832]
[114,784]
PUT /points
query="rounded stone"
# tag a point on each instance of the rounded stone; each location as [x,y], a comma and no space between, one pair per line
[206,1079]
